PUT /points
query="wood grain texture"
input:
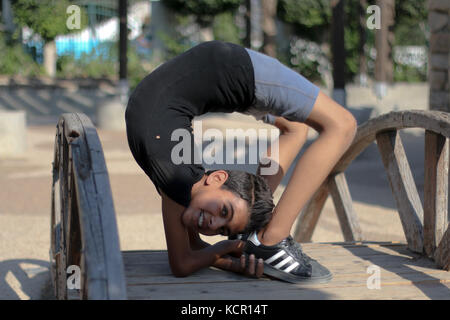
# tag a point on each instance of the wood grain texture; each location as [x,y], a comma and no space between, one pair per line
[343,203]
[89,234]
[308,218]
[435,190]
[403,187]
[403,275]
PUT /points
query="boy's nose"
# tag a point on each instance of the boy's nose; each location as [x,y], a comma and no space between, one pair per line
[215,223]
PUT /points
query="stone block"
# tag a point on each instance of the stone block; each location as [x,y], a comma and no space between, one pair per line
[438,80]
[440,42]
[440,5]
[439,100]
[12,133]
[437,21]
[111,114]
[439,61]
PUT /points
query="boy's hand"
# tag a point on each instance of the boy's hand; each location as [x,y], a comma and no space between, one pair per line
[254,267]
[237,261]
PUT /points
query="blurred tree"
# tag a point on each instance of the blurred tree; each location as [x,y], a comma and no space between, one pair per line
[338,50]
[310,18]
[269,8]
[47,18]
[204,12]
[384,41]
[411,22]
[225,29]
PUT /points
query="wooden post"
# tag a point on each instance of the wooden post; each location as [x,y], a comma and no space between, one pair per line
[344,208]
[384,39]
[403,187]
[436,190]
[307,221]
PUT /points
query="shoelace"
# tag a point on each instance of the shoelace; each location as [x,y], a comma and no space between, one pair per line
[298,252]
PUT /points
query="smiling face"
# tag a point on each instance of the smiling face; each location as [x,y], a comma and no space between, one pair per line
[214,210]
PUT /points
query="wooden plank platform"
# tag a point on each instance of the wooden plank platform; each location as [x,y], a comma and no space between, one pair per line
[403,275]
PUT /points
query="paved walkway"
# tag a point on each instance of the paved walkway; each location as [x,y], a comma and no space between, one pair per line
[25,186]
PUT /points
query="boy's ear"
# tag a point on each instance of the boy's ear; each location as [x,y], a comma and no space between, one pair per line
[217,177]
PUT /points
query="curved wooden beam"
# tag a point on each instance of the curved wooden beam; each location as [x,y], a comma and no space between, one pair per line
[424,227]
[88,220]
[436,121]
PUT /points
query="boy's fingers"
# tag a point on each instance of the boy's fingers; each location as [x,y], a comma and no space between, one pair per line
[243,261]
[251,265]
[259,268]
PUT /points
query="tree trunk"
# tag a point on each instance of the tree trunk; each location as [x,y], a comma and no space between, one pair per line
[362,43]
[338,51]
[206,33]
[50,58]
[248,25]
[269,8]
[256,33]
[384,40]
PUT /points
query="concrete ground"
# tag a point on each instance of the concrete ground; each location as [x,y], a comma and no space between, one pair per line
[25,194]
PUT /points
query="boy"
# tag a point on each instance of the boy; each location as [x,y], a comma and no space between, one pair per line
[223,77]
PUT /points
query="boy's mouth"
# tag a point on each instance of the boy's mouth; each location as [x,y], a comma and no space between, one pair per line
[201,218]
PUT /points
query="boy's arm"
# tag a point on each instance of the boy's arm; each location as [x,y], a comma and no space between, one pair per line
[254,267]
[293,136]
[182,259]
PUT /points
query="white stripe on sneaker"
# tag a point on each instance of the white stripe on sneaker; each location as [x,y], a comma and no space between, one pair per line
[275,257]
[291,267]
[282,263]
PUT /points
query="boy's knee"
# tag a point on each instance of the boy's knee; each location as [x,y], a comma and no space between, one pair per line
[348,124]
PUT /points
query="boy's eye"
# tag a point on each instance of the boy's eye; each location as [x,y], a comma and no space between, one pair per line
[224,211]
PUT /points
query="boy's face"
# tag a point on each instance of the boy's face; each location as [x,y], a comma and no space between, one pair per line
[213,210]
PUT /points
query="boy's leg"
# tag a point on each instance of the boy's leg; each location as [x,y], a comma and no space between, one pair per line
[337,128]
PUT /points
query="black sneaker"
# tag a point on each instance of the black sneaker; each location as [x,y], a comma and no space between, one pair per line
[286,261]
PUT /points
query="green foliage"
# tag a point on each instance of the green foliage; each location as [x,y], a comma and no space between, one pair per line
[411,22]
[311,18]
[45,17]
[225,29]
[351,39]
[15,61]
[407,73]
[103,63]
[89,65]
[204,10]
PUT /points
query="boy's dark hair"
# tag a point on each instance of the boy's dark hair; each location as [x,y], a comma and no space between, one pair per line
[256,192]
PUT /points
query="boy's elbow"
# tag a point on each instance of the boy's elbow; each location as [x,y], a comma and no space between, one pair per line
[180,272]
[180,268]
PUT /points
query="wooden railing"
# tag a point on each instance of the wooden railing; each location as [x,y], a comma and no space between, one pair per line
[426,228]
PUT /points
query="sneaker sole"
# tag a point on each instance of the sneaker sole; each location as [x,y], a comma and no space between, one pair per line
[278,274]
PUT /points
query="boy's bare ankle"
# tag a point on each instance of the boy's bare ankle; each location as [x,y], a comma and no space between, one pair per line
[270,239]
